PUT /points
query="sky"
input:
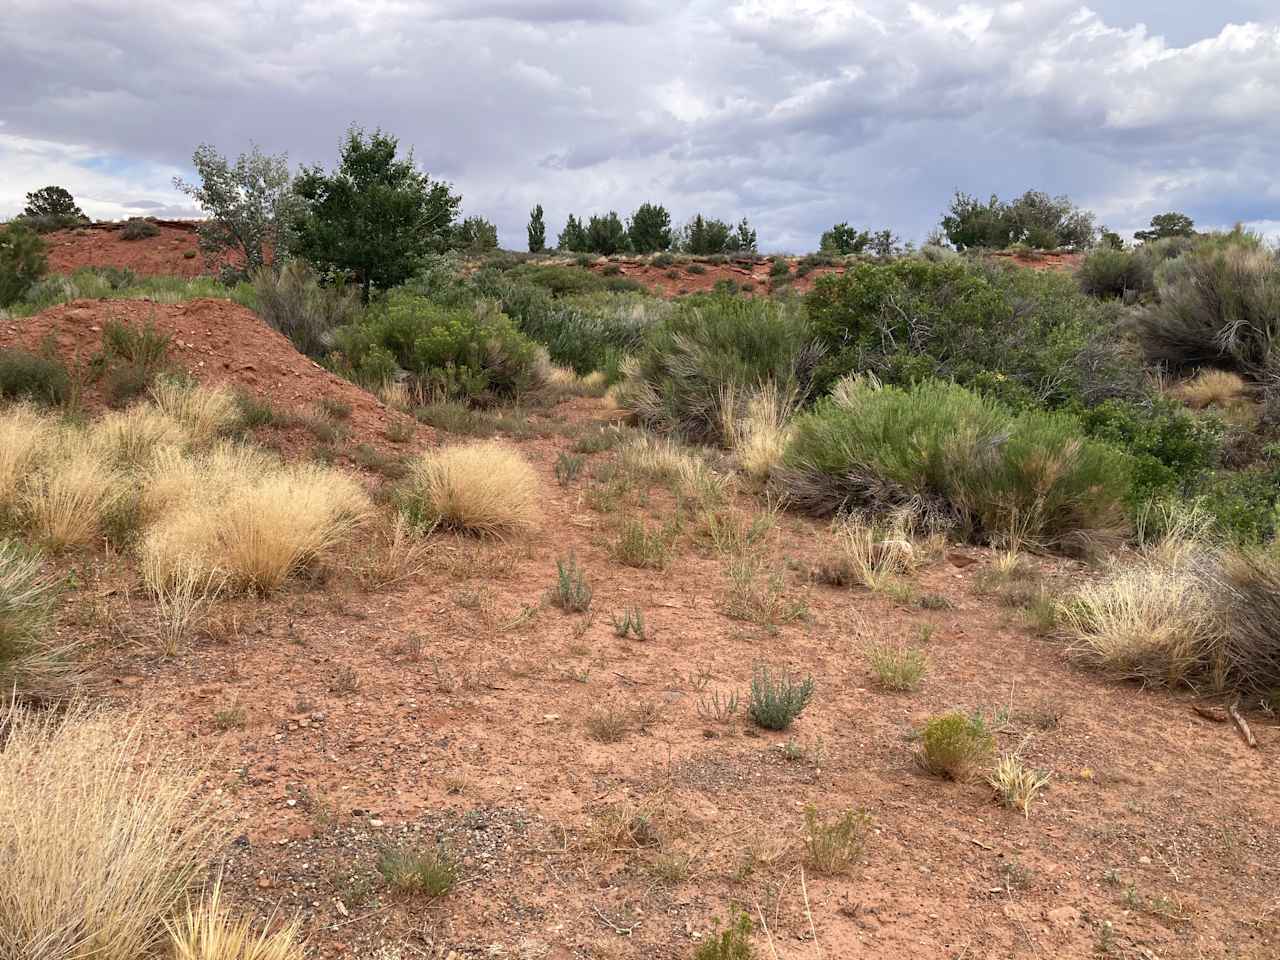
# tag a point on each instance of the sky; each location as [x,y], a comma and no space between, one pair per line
[794,113]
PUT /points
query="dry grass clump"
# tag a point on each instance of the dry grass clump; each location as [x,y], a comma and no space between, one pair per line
[1212,388]
[33,663]
[1247,584]
[485,488]
[871,554]
[1015,784]
[205,413]
[756,427]
[834,845]
[101,837]
[207,932]
[897,667]
[566,382]
[130,437]
[682,470]
[67,499]
[1152,619]
[256,529]
[25,439]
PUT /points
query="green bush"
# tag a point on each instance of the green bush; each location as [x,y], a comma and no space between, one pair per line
[138,228]
[1242,504]
[292,302]
[1108,273]
[955,745]
[709,344]
[776,700]
[40,378]
[731,942]
[22,262]
[1034,219]
[1171,448]
[473,351]
[960,457]
[560,280]
[1218,305]
[1009,332]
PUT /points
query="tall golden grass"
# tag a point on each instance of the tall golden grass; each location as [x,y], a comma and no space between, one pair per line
[26,436]
[34,661]
[67,499]
[208,932]
[205,412]
[486,488]
[101,837]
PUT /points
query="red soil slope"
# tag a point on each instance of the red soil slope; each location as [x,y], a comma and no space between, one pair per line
[216,341]
[172,252]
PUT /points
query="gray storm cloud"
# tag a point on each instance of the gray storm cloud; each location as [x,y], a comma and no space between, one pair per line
[796,114]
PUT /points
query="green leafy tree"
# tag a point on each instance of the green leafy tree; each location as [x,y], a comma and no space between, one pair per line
[249,205]
[884,243]
[649,228]
[376,216]
[606,234]
[844,239]
[1167,225]
[742,239]
[55,203]
[1035,219]
[704,236]
[574,236]
[476,235]
[22,261]
[537,230]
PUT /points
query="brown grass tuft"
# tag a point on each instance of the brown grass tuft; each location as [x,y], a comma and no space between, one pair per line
[486,488]
[1211,388]
[207,932]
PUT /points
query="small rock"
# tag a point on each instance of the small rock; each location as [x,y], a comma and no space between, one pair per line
[264,883]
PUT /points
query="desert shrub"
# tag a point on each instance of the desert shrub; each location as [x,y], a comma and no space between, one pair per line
[730,942]
[131,359]
[559,280]
[710,344]
[475,235]
[780,267]
[777,700]
[485,487]
[1110,273]
[587,332]
[102,837]
[22,262]
[833,846]
[138,228]
[1218,305]
[572,591]
[1247,586]
[1210,388]
[472,351]
[1242,504]
[207,932]
[292,302]
[1170,448]
[955,745]
[1009,332]
[39,377]
[33,663]
[960,457]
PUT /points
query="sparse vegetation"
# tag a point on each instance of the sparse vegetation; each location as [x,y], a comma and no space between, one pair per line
[955,746]
[897,667]
[571,591]
[834,845]
[431,872]
[777,699]
[1015,784]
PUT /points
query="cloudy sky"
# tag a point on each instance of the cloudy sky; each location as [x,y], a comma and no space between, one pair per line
[794,113]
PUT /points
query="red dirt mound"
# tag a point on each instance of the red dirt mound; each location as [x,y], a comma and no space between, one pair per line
[216,341]
[171,252]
